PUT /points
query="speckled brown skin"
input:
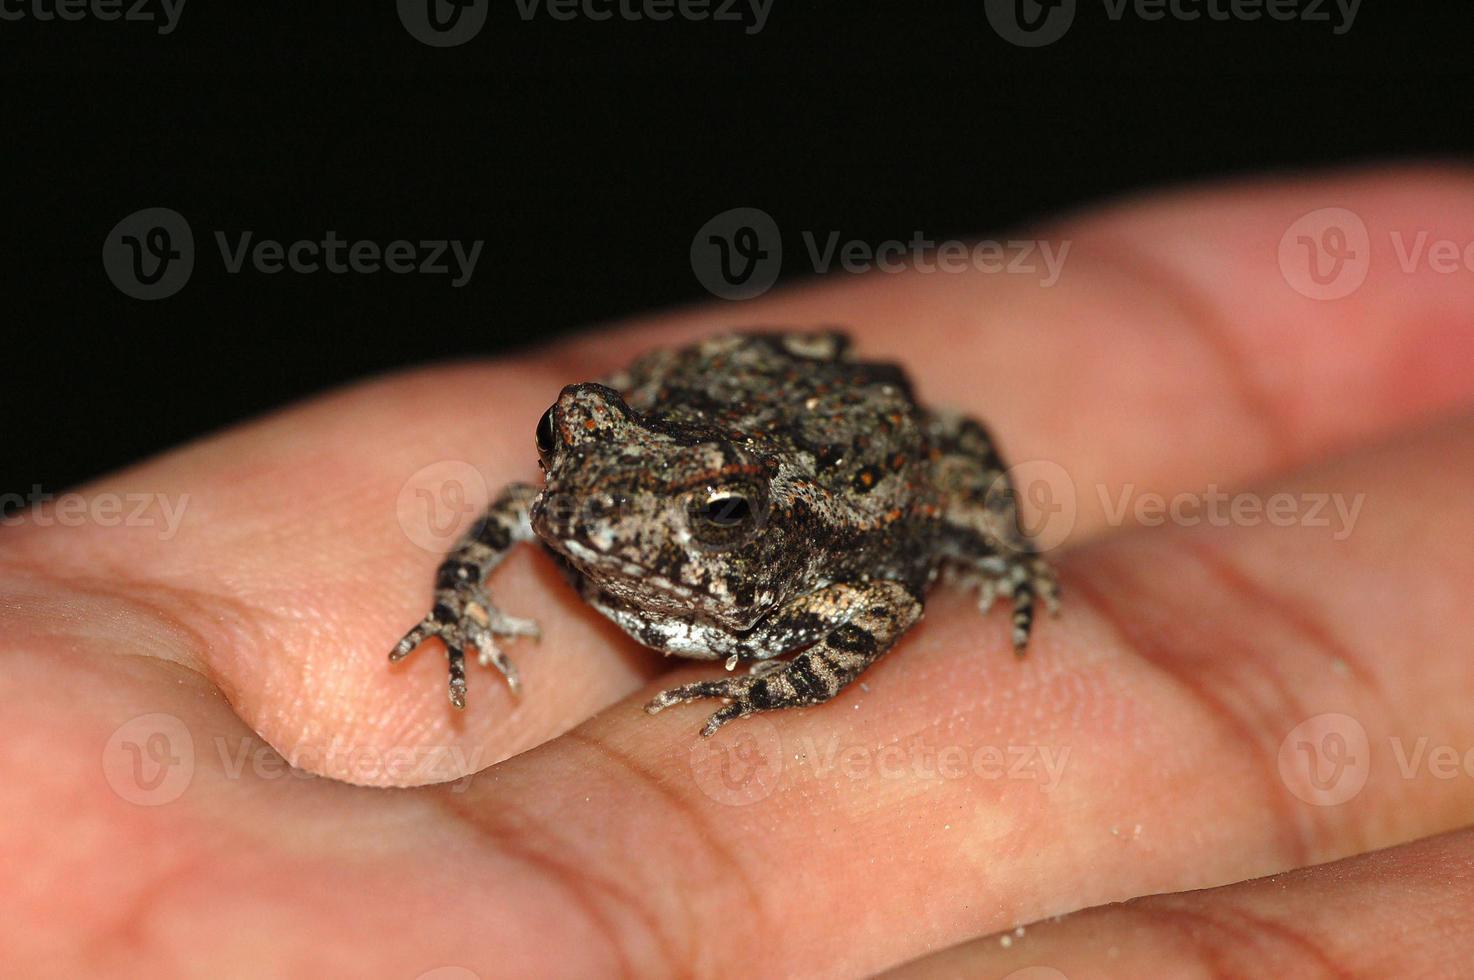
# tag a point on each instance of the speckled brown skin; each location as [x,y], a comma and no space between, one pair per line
[747,497]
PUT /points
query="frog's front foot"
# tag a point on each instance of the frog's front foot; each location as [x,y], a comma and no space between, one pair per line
[871,615]
[462,617]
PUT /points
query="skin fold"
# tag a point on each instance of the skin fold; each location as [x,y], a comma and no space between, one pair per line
[1145,747]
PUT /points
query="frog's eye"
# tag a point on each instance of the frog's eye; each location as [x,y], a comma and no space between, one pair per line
[727,510]
[547,436]
[723,518]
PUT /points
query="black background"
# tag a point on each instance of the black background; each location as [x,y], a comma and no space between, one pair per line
[586,155]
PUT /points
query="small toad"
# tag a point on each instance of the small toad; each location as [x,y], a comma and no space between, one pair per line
[761,498]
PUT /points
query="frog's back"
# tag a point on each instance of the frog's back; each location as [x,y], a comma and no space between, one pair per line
[769,387]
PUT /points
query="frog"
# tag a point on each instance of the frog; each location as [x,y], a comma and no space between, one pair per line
[761,497]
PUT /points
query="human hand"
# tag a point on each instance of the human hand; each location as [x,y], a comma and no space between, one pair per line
[1174,354]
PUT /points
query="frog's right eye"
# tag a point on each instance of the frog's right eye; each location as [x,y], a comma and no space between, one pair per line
[547,437]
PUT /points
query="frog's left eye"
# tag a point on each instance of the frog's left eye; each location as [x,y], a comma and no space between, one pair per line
[547,436]
[724,518]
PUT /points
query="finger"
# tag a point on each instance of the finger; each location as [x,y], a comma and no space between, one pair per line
[159,861]
[1170,354]
[1215,703]
[1175,348]
[1398,912]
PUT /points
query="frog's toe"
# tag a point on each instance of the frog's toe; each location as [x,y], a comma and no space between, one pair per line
[1046,584]
[500,624]
[721,717]
[491,655]
[409,643]
[737,689]
[725,687]
[987,594]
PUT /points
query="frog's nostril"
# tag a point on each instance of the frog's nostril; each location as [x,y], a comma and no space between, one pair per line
[600,505]
[553,512]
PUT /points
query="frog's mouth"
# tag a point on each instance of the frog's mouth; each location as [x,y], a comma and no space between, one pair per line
[640,586]
[656,584]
